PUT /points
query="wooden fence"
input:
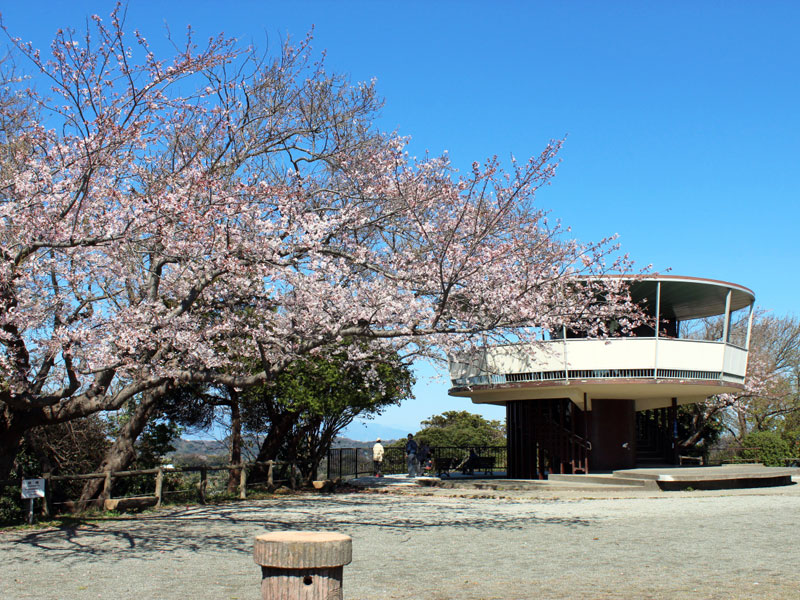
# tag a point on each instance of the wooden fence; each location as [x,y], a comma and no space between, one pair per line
[107,501]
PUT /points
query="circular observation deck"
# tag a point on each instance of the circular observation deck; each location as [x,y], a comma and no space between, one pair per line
[651,366]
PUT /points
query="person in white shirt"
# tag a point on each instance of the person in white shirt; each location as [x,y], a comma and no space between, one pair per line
[377,457]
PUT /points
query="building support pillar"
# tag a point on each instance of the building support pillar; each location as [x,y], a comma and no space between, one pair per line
[586,428]
[673,427]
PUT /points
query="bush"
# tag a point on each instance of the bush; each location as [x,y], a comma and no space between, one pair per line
[11,510]
[792,438]
[766,447]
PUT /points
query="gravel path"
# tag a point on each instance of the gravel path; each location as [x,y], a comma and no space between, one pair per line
[436,545]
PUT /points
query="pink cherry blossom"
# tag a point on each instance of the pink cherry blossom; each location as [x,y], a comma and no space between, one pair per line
[162,219]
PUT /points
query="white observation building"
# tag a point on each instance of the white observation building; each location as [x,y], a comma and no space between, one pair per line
[575,403]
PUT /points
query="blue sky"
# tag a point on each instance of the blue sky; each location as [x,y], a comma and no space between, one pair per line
[681,118]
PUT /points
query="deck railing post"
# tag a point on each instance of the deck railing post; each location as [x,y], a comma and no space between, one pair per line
[658,326]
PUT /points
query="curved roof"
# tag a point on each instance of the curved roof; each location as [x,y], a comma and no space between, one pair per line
[684,298]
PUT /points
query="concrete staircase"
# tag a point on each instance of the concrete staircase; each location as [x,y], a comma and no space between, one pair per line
[605,479]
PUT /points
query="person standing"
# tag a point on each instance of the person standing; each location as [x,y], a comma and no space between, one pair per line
[422,457]
[411,455]
[377,458]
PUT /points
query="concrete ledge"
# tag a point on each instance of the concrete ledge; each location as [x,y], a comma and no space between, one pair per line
[600,479]
[725,484]
[712,478]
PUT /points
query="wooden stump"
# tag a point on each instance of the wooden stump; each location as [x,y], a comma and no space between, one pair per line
[134,502]
[302,565]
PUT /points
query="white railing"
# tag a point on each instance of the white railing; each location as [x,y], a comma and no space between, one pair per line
[580,358]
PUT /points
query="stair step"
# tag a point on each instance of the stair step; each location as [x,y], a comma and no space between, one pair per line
[598,479]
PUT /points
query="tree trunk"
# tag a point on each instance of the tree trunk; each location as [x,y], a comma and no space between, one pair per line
[696,433]
[279,427]
[236,441]
[742,419]
[276,436]
[122,452]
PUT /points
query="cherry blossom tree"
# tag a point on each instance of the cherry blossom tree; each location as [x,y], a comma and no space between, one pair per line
[771,385]
[161,218]
[770,394]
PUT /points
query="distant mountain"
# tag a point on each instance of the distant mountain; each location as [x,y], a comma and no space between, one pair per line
[192,452]
[209,452]
[368,431]
[343,442]
[201,447]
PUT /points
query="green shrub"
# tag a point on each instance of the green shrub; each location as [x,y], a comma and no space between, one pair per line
[792,437]
[766,447]
[11,509]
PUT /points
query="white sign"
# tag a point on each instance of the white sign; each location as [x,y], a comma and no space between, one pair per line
[33,488]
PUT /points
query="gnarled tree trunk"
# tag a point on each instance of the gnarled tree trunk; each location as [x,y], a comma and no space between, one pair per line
[122,452]
[236,440]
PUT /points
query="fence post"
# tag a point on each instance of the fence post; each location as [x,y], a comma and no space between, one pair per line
[48,492]
[242,482]
[269,473]
[159,486]
[106,494]
[302,564]
[201,487]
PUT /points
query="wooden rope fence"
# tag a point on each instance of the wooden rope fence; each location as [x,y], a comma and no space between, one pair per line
[110,503]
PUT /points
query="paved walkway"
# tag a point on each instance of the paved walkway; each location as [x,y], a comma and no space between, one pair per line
[432,544]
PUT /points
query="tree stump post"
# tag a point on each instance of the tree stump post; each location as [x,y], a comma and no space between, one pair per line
[302,565]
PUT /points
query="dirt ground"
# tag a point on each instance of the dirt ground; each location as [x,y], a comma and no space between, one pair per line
[437,545]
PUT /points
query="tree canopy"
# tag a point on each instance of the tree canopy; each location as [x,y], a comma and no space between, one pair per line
[461,428]
[301,412]
[161,217]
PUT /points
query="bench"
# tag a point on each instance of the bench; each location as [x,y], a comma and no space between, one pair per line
[442,466]
[690,460]
[484,463]
[478,463]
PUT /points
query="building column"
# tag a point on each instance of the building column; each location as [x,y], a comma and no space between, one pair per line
[673,427]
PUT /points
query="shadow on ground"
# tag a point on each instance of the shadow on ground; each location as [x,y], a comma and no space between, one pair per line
[231,527]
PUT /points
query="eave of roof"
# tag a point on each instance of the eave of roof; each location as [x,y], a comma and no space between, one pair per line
[685,298]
